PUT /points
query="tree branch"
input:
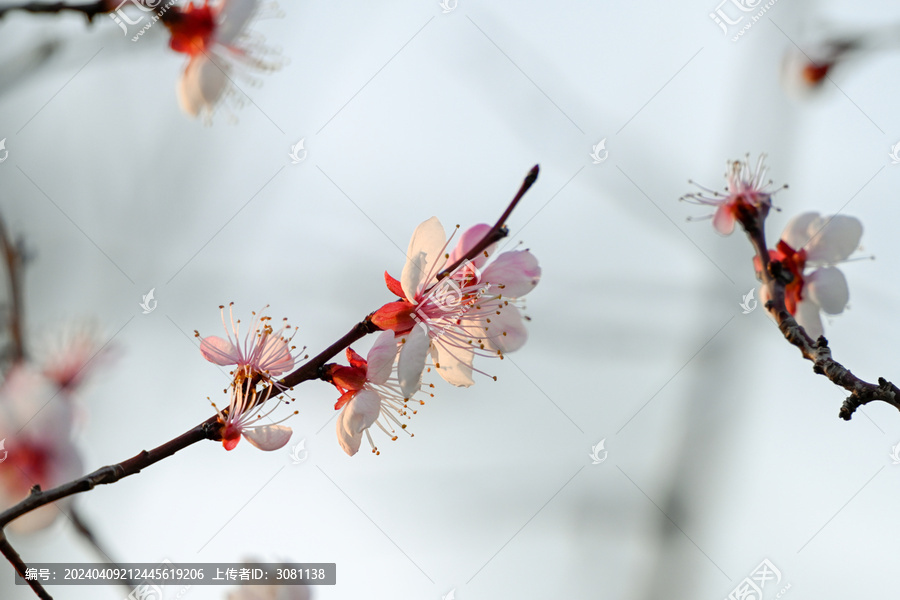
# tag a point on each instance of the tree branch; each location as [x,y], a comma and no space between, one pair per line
[775,278]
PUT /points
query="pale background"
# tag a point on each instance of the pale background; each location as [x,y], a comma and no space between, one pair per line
[724,447]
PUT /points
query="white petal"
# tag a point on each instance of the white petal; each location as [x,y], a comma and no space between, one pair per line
[796,233]
[380,359]
[506,332]
[455,364]
[827,287]
[833,238]
[808,318]
[268,437]
[512,274]
[412,360]
[233,18]
[202,84]
[362,411]
[349,441]
[422,255]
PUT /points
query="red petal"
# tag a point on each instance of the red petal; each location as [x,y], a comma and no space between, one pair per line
[394,286]
[356,360]
[348,378]
[396,316]
[344,399]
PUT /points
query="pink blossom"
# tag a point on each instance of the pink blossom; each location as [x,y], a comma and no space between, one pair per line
[746,194]
[809,248]
[261,355]
[474,310]
[370,394]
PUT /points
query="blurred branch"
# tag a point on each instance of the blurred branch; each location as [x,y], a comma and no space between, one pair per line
[13,258]
[82,527]
[776,277]
[88,9]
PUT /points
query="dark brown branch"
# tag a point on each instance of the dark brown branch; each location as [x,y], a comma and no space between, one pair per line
[88,9]
[499,230]
[817,351]
[208,430]
[19,565]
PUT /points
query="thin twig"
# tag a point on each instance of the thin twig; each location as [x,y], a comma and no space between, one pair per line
[499,230]
[19,565]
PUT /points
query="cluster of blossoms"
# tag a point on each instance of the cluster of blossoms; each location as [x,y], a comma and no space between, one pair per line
[449,308]
[809,248]
[258,358]
[218,40]
[38,421]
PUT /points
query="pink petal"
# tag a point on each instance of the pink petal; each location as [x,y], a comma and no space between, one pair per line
[219,351]
[268,437]
[412,360]
[723,220]
[423,253]
[468,240]
[455,364]
[381,358]
[506,332]
[349,442]
[827,287]
[808,318]
[512,274]
[276,357]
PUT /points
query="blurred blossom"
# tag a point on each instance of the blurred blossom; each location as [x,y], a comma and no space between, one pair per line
[36,422]
[746,195]
[809,247]
[221,47]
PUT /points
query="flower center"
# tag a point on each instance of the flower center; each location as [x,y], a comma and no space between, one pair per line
[192,29]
